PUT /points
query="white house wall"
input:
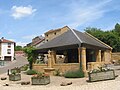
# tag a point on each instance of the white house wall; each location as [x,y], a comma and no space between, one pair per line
[4,48]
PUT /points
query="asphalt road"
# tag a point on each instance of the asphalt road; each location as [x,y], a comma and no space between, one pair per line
[20,61]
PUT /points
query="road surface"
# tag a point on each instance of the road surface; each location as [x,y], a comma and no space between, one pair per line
[20,61]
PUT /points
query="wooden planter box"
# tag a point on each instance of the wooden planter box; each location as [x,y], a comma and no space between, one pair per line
[100,76]
[16,77]
[40,80]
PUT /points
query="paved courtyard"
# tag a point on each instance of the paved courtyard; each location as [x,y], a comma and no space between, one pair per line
[77,84]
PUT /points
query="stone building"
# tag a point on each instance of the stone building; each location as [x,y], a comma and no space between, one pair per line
[77,48]
[51,34]
[37,41]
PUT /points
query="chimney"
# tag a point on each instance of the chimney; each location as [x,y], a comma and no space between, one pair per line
[2,38]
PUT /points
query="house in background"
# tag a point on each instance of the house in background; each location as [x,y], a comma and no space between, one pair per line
[6,49]
[37,41]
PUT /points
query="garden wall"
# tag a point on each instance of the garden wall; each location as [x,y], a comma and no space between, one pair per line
[116,56]
[62,67]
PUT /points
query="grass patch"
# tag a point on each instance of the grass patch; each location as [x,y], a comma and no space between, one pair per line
[31,72]
[74,74]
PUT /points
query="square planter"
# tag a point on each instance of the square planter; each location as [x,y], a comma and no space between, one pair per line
[100,76]
[15,77]
[40,80]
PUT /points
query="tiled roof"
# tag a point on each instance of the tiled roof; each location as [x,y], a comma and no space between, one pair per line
[39,41]
[6,41]
[73,37]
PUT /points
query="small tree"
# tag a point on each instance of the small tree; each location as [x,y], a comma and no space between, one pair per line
[30,55]
[117,28]
[18,48]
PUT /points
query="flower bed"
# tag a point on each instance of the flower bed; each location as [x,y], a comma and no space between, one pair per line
[40,79]
[101,74]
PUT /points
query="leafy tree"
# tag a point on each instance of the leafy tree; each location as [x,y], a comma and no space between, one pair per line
[18,48]
[111,38]
[117,28]
[30,55]
[98,33]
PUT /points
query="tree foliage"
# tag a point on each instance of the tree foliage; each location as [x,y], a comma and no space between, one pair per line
[30,55]
[18,48]
[111,37]
[117,28]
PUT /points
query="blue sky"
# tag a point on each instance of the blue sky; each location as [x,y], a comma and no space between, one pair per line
[21,20]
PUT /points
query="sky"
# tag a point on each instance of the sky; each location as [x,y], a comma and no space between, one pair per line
[22,20]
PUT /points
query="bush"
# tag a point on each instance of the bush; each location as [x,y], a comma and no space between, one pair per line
[74,74]
[31,72]
[57,72]
[24,68]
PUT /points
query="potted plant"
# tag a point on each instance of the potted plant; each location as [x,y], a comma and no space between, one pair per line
[15,70]
[40,79]
[14,76]
[101,74]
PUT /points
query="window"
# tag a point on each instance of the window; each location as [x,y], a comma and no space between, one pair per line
[8,51]
[47,35]
[9,45]
[47,40]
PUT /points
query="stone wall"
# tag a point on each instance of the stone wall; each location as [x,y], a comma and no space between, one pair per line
[116,56]
[55,33]
[39,67]
[66,67]
[62,67]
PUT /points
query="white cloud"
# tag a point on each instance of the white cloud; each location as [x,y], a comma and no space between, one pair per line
[82,12]
[29,37]
[12,40]
[21,44]
[19,12]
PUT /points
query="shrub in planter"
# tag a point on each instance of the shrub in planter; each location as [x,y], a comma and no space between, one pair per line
[14,76]
[57,72]
[40,79]
[31,72]
[24,68]
[101,74]
[74,74]
[15,70]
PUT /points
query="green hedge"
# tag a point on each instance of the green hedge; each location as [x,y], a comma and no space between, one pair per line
[74,74]
[31,72]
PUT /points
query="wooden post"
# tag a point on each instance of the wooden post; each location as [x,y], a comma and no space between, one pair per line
[98,59]
[99,56]
[83,58]
[107,55]
[104,56]
[79,54]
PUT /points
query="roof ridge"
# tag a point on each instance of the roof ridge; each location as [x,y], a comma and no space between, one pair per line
[76,35]
[98,40]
